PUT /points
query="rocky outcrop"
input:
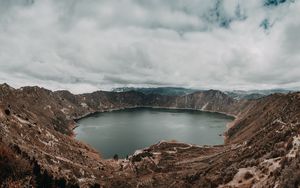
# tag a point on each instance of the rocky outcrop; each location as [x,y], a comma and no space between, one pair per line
[262,143]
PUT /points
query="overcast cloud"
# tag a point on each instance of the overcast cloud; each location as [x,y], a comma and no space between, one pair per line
[100,44]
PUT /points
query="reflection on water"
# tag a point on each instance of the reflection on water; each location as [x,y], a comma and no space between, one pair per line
[122,132]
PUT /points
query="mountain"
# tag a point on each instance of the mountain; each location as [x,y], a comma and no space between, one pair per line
[178,91]
[38,148]
[171,91]
[254,94]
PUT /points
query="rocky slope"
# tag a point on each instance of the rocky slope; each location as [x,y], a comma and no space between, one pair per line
[262,144]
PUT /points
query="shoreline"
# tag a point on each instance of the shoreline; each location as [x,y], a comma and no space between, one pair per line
[151,107]
[76,119]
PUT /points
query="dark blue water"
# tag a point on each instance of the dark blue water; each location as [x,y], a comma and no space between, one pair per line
[122,132]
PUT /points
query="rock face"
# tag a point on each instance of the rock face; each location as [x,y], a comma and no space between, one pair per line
[262,143]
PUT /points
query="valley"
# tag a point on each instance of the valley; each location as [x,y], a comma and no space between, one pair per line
[261,146]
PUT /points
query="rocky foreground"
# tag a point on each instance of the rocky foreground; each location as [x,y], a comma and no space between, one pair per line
[37,147]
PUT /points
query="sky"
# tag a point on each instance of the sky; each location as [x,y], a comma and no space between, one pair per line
[89,45]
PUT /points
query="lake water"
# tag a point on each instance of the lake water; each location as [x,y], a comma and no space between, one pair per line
[124,131]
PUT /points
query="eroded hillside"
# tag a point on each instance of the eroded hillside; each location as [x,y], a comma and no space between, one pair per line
[262,144]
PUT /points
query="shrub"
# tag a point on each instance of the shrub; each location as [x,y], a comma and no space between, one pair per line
[12,167]
[7,112]
[116,157]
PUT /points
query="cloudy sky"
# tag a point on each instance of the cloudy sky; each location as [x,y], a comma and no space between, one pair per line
[101,44]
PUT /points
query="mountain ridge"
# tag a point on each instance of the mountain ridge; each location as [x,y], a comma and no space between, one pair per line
[38,123]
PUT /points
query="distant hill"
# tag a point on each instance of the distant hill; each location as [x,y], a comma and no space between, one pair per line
[178,91]
[169,91]
[254,94]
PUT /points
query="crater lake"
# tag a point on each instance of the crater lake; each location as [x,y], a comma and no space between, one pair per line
[122,132]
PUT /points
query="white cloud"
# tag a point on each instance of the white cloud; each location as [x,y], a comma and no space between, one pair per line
[88,45]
